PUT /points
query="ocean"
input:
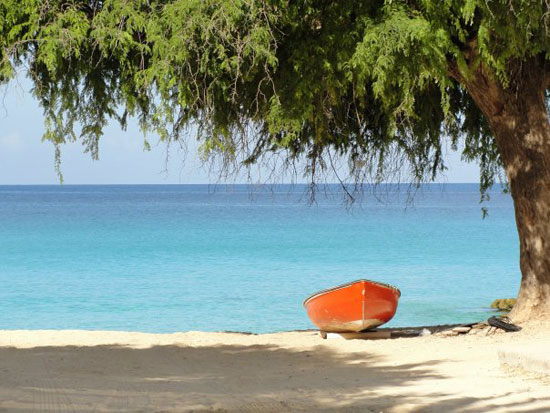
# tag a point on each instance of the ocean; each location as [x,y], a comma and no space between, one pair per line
[167,258]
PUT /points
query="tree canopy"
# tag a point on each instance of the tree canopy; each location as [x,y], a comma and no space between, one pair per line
[381,84]
[371,82]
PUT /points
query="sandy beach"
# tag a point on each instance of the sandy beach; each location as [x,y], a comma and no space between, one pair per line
[294,371]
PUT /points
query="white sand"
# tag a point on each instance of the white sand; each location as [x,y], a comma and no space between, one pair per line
[117,371]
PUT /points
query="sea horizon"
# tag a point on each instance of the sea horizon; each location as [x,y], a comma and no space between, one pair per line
[404,184]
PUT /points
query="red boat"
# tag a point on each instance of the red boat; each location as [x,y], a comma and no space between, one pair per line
[355,306]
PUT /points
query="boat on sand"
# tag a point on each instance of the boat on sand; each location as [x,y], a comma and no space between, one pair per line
[352,307]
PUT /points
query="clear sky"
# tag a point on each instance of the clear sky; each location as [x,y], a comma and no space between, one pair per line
[24,159]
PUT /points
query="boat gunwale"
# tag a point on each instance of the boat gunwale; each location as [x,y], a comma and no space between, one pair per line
[338,287]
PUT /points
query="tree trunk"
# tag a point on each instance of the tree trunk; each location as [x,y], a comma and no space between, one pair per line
[519,120]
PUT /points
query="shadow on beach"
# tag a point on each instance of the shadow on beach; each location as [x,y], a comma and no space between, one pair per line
[224,378]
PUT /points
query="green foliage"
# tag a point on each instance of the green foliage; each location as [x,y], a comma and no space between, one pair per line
[368,82]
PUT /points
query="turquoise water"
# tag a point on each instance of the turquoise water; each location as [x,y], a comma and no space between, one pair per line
[191,257]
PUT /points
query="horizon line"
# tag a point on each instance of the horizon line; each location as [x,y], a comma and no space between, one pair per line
[247,184]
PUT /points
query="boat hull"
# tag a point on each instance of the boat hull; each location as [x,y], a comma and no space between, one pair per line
[354,306]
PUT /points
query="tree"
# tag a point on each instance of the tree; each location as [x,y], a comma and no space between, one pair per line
[372,82]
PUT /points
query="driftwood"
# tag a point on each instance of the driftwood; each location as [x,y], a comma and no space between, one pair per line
[388,333]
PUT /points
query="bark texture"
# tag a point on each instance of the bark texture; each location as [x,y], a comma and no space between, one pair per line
[519,120]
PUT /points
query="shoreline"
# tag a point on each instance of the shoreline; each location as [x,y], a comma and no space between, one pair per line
[437,327]
[83,370]
[28,338]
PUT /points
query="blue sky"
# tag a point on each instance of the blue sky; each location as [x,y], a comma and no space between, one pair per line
[24,159]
